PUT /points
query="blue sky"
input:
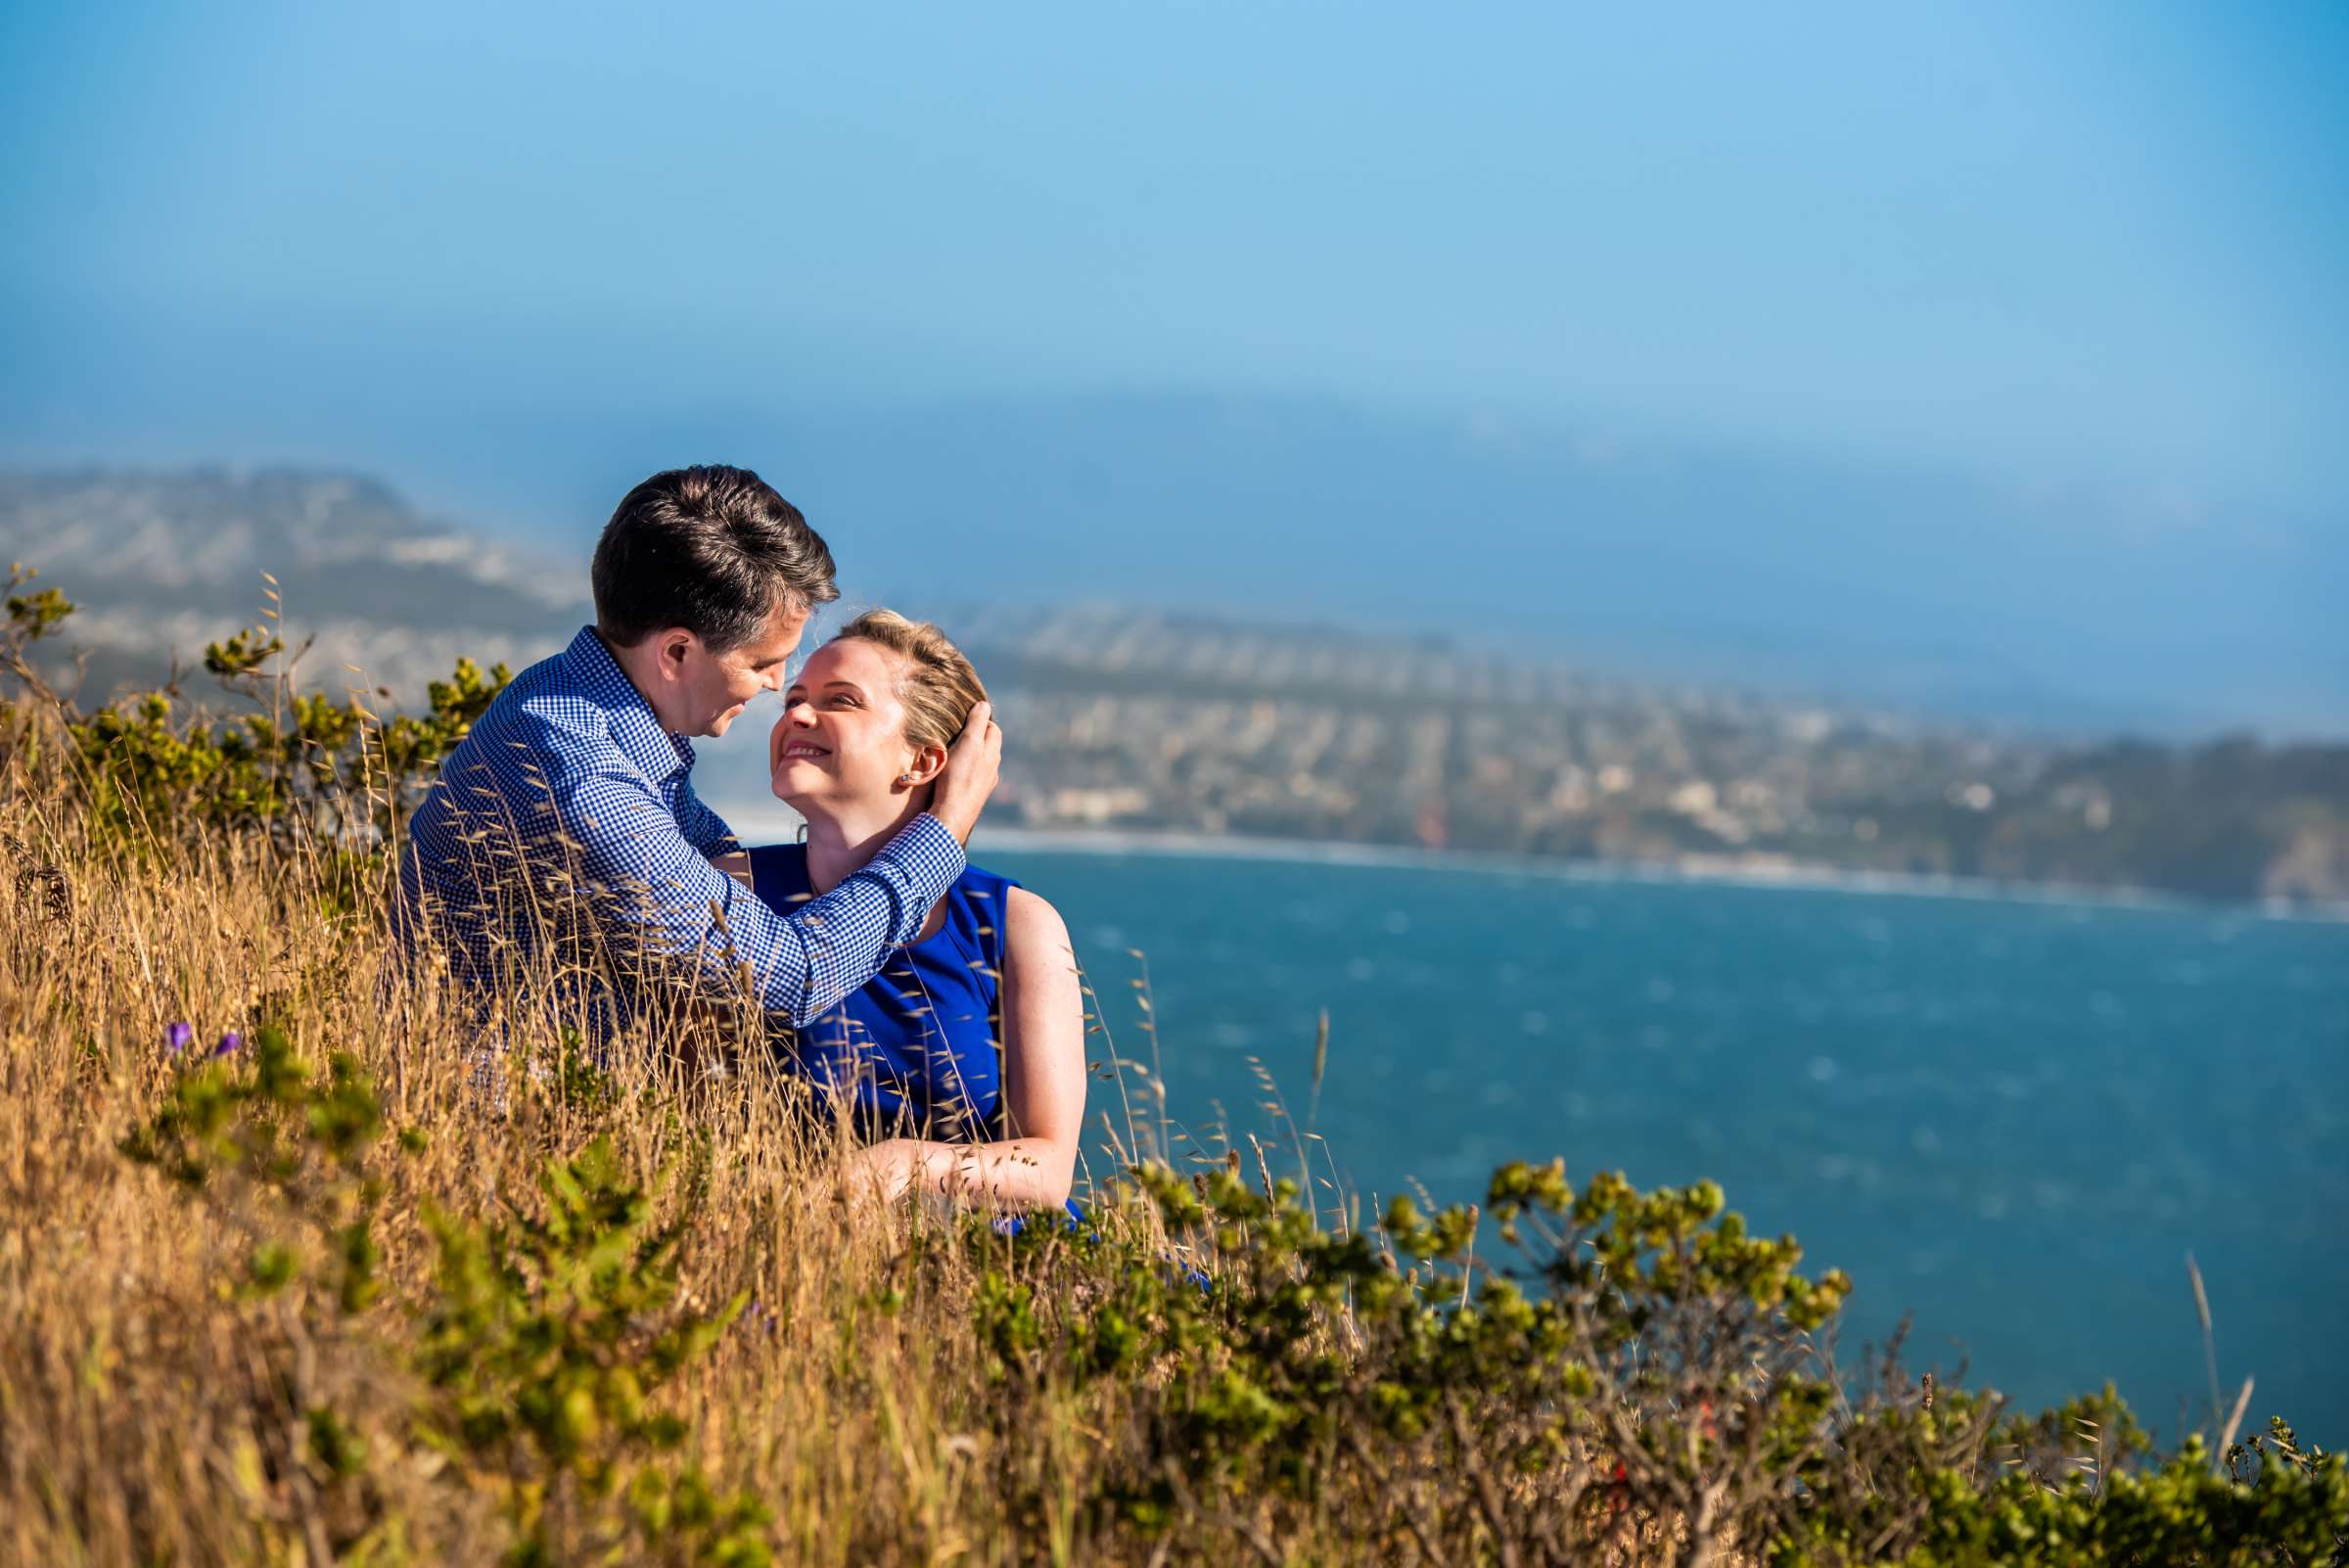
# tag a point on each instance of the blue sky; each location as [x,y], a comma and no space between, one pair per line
[2082,264]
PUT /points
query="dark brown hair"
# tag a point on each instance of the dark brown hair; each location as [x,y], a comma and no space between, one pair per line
[710,548]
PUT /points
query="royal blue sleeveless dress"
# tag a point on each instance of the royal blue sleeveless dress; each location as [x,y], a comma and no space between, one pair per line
[917,1048]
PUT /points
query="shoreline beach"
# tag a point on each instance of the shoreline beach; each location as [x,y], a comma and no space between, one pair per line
[766,822]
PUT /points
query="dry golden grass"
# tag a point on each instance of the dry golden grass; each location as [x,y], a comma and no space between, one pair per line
[134,1397]
[152,1409]
[144,1400]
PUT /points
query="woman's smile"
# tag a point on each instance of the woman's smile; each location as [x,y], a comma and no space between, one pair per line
[802,747]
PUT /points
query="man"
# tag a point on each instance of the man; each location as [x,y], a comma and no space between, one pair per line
[562,853]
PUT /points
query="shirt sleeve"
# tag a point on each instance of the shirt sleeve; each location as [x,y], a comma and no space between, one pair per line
[703,828]
[652,893]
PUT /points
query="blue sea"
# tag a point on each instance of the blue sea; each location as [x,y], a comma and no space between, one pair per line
[2010,1118]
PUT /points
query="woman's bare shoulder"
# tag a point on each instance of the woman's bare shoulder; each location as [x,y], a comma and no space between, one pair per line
[1031,923]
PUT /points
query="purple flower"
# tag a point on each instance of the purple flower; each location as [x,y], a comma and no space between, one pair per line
[228,1042]
[178,1038]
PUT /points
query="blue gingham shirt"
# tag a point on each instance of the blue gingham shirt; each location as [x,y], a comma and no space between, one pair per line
[566,817]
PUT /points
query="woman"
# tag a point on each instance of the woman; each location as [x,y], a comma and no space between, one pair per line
[863,734]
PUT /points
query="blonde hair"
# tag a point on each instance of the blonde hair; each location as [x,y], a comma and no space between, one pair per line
[937,684]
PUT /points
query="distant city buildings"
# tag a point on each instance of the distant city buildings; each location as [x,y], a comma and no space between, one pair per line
[1141,721]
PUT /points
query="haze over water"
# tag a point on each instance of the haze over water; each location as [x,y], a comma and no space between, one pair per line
[2013,1118]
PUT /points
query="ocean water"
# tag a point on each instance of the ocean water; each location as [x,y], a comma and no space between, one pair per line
[2010,1120]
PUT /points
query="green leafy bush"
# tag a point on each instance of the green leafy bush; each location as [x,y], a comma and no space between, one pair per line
[1637,1371]
[152,774]
[538,1353]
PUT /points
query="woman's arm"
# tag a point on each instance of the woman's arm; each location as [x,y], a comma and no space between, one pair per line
[1044,1082]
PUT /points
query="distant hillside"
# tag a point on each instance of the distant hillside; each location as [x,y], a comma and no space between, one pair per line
[164,563]
[1138,719]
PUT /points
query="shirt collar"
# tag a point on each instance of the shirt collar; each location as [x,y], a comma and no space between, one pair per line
[596,676]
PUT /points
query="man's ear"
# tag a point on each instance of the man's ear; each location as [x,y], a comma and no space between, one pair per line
[673,647]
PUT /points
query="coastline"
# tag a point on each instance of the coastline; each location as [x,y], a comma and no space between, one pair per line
[765,821]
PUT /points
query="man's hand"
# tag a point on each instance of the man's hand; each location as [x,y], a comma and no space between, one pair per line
[972,763]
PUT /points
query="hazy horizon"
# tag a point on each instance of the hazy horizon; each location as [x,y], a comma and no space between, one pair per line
[1980,360]
[1976,620]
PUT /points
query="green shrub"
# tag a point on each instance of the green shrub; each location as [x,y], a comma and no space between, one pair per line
[153,775]
[540,1351]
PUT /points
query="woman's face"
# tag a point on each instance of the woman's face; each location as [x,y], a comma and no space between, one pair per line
[841,736]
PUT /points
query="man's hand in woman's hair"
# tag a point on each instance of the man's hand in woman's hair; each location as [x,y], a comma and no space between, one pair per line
[971,763]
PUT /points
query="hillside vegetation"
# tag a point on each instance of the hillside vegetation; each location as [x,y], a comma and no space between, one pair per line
[298,1265]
